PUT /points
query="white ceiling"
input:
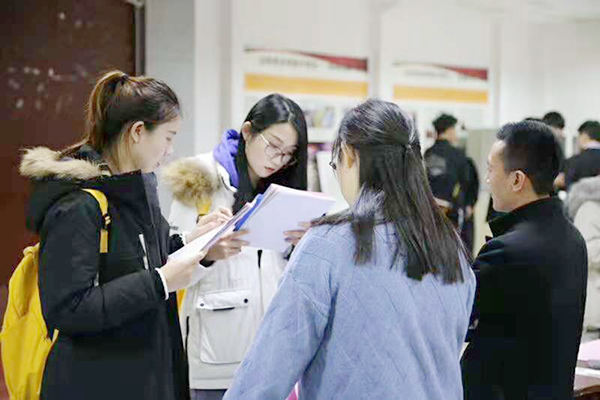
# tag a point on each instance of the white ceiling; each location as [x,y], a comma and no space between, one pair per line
[540,10]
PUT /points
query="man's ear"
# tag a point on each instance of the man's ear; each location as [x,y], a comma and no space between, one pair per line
[519,180]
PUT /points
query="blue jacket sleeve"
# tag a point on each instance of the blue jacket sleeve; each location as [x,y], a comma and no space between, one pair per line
[292,329]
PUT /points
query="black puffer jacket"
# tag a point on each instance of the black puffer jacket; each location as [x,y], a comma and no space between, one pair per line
[119,338]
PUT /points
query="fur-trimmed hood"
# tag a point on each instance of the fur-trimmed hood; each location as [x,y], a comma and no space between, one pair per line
[42,163]
[195,180]
[587,189]
[54,176]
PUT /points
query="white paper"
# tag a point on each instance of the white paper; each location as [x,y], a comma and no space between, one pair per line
[328,181]
[281,210]
[195,246]
[589,351]
[587,372]
[207,240]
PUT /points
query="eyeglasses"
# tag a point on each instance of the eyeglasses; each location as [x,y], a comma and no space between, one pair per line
[275,152]
[333,166]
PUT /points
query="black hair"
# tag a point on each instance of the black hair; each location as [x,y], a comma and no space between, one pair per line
[531,147]
[270,110]
[554,119]
[395,190]
[591,128]
[536,119]
[443,123]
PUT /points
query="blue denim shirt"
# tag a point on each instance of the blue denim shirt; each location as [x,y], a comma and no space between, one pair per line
[357,331]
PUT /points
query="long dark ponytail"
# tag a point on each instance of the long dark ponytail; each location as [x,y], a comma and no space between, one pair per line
[394,189]
[271,110]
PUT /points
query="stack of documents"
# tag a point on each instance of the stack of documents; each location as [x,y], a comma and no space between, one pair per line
[266,219]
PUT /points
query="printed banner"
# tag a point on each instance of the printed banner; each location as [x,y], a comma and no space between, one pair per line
[324,86]
[427,90]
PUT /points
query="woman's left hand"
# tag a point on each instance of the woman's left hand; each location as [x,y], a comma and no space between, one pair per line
[294,237]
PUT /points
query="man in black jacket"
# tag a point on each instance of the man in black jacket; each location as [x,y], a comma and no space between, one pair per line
[448,169]
[532,277]
[587,163]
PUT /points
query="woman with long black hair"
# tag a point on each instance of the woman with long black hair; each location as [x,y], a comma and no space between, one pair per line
[375,301]
[220,314]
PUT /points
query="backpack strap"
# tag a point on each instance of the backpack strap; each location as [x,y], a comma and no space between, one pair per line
[103,204]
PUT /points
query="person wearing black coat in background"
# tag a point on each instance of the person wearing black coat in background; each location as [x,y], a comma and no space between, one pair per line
[467,232]
[448,170]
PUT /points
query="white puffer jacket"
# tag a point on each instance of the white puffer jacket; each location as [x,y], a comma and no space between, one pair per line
[584,208]
[220,314]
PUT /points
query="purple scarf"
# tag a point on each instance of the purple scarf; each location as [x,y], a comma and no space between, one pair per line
[225,154]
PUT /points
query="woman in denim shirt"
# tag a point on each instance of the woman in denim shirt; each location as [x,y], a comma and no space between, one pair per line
[376,300]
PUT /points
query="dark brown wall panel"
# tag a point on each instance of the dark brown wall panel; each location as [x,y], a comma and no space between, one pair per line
[51,53]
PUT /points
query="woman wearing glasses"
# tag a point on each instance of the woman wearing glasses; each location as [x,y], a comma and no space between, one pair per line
[221,313]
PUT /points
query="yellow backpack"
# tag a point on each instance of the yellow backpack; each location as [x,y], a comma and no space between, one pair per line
[24,337]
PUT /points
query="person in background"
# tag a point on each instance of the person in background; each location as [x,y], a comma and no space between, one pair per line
[448,170]
[221,313]
[536,119]
[531,277]
[587,162]
[467,232]
[119,335]
[583,208]
[556,122]
[375,302]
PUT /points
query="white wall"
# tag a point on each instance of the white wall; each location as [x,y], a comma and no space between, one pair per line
[169,41]
[197,47]
[571,57]
[554,66]
[437,32]
[330,27]
[184,48]
[212,31]
[551,66]
[518,68]
[535,66]
[339,27]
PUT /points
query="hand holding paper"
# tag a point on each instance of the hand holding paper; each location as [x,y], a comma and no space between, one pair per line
[228,245]
[265,222]
[204,225]
[294,237]
[280,210]
[183,272]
